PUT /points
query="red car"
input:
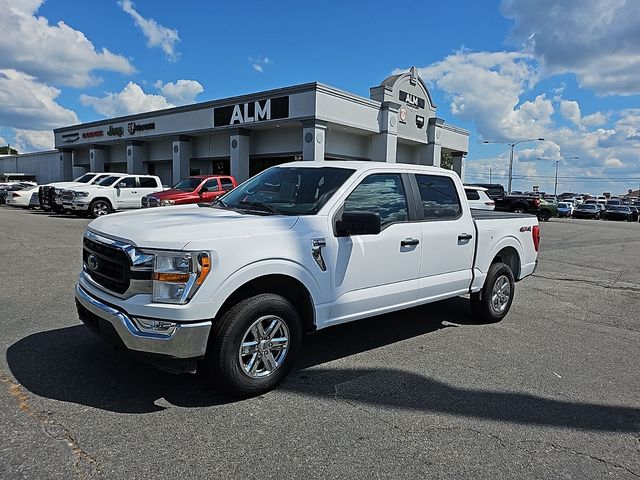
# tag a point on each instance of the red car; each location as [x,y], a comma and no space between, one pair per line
[195,189]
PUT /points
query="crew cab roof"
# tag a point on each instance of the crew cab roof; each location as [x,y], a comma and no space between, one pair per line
[366,165]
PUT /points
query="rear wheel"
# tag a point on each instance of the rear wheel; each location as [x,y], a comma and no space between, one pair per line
[544,215]
[493,302]
[255,344]
[98,208]
[518,210]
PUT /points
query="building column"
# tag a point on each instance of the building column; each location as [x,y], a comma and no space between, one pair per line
[96,159]
[181,159]
[239,154]
[314,139]
[384,145]
[135,157]
[66,165]
[431,153]
[458,164]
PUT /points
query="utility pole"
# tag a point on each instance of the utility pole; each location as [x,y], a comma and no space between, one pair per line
[557,160]
[491,169]
[512,146]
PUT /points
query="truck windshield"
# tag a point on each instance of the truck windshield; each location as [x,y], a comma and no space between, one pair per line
[86,178]
[106,182]
[287,190]
[187,184]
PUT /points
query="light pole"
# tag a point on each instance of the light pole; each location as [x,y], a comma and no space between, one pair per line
[512,145]
[557,160]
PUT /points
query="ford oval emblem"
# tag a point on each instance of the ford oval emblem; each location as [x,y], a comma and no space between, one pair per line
[92,262]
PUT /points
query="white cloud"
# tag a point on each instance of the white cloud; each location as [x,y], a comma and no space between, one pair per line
[3,142]
[571,111]
[492,99]
[51,53]
[181,92]
[157,35]
[595,39]
[33,140]
[29,104]
[132,99]
[260,63]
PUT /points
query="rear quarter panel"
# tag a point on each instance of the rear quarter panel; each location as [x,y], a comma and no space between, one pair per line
[496,234]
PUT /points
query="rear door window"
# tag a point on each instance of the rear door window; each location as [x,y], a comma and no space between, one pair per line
[227,184]
[472,194]
[148,182]
[438,197]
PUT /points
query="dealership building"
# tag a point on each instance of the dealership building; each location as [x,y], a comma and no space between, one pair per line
[243,135]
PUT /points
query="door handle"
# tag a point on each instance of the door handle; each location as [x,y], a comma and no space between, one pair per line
[464,236]
[407,242]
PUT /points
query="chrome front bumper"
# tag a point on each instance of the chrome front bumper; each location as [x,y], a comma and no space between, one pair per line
[177,340]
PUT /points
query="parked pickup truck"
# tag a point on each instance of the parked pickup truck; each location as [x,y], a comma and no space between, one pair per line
[297,248]
[50,195]
[519,203]
[118,191]
[198,188]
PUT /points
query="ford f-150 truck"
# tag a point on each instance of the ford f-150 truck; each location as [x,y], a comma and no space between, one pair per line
[194,189]
[299,247]
[116,192]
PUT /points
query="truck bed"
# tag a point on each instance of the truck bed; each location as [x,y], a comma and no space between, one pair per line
[495,215]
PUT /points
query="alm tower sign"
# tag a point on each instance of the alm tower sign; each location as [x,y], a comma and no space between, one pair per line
[258,111]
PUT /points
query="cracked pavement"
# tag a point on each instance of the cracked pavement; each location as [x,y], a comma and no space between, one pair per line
[552,391]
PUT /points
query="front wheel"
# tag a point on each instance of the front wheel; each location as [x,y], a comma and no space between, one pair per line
[255,344]
[492,303]
[98,208]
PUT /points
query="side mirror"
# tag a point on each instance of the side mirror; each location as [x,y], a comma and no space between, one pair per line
[358,223]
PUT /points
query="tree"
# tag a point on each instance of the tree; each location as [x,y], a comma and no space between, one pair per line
[5,151]
[446,161]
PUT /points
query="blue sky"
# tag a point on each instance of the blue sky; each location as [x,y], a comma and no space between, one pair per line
[505,70]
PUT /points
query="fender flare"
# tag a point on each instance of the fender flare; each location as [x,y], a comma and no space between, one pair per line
[262,268]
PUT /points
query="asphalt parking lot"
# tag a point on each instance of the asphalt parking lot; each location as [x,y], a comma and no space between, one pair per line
[553,391]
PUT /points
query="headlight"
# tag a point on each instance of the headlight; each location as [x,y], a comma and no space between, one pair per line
[178,275]
[164,203]
[80,194]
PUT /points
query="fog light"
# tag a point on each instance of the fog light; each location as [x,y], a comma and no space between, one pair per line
[155,326]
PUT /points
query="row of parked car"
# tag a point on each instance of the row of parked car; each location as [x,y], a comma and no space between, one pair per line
[96,194]
[547,206]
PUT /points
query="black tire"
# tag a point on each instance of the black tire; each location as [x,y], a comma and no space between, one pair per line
[99,207]
[223,354]
[481,302]
[544,215]
[518,210]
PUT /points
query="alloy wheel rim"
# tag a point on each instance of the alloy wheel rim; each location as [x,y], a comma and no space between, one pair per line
[100,209]
[500,294]
[264,346]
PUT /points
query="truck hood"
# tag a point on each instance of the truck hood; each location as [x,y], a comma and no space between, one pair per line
[178,226]
[66,184]
[173,194]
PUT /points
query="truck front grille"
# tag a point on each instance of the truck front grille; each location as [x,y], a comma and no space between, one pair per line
[67,196]
[109,266]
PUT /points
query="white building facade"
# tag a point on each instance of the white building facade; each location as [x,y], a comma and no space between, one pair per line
[246,134]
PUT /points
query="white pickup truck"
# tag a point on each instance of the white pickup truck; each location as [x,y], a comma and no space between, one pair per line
[50,195]
[117,191]
[297,248]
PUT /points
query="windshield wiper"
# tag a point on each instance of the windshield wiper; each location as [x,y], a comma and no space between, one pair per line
[259,205]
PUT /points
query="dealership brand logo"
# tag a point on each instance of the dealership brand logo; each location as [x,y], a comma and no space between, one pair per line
[134,127]
[411,100]
[258,111]
[70,137]
[93,134]
[115,131]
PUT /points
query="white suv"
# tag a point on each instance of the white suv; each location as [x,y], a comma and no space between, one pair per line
[478,198]
[118,191]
